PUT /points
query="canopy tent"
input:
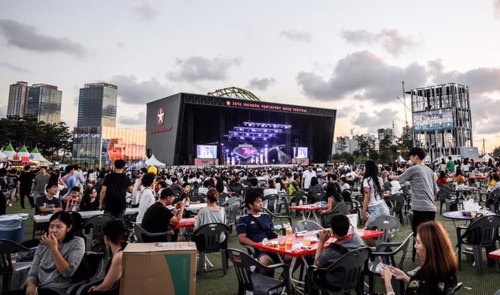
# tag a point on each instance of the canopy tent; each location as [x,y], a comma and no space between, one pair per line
[154,162]
[23,152]
[9,152]
[36,156]
[400,159]
[3,157]
[486,157]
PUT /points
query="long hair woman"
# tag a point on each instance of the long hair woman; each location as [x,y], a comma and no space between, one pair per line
[373,204]
[439,264]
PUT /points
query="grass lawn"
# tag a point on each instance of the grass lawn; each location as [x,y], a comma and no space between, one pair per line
[214,283]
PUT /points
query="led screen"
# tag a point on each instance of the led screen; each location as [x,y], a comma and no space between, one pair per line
[433,120]
[206,151]
[300,153]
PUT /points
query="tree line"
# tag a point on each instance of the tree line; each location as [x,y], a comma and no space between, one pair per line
[389,149]
[52,140]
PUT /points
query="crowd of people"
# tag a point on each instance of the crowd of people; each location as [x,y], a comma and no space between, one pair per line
[161,197]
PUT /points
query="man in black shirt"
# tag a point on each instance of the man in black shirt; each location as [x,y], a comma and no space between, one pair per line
[24,186]
[48,204]
[158,217]
[114,191]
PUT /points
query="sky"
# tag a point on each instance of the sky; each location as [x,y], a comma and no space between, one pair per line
[346,55]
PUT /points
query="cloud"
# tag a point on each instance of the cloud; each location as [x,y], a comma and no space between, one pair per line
[390,39]
[363,74]
[496,6]
[199,68]
[138,119]
[12,67]
[3,111]
[295,35]
[143,12]
[27,37]
[260,83]
[132,91]
[375,119]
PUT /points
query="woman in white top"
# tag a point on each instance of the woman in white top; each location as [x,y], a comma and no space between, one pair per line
[373,204]
[147,195]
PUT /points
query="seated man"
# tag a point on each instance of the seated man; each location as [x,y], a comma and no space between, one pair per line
[345,242]
[48,204]
[252,228]
[158,217]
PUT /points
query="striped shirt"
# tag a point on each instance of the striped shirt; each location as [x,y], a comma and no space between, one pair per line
[423,187]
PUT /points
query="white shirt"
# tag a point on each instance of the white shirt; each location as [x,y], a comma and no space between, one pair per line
[375,199]
[307,178]
[147,199]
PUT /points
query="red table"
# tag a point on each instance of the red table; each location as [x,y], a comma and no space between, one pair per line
[186,222]
[494,254]
[300,251]
[312,208]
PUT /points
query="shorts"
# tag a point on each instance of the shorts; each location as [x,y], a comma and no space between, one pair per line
[377,211]
[273,256]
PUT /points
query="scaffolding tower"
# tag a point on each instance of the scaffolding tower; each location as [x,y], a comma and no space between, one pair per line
[442,122]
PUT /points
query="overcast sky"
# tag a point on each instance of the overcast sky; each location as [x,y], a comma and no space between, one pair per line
[346,55]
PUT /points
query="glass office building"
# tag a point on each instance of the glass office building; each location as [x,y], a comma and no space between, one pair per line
[98,147]
[97,105]
[44,103]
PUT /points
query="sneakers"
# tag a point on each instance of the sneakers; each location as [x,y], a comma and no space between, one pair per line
[411,273]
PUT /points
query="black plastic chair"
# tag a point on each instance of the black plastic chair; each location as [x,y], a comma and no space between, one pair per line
[250,277]
[456,289]
[482,233]
[342,208]
[283,202]
[232,213]
[144,236]
[77,221]
[306,225]
[397,206]
[208,240]
[237,188]
[89,270]
[7,247]
[320,197]
[388,224]
[278,220]
[382,254]
[93,232]
[351,264]
[272,202]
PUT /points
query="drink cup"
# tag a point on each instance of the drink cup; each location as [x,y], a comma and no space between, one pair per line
[288,244]
[473,214]
[281,244]
[307,240]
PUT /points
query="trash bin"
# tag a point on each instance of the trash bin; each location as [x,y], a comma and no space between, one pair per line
[10,227]
[20,235]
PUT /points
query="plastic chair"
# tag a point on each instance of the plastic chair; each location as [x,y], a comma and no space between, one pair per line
[320,197]
[7,247]
[237,188]
[351,265]
[88,271]
[272,202]
[306,225]
[144,236]
[457,288]
[482,233]
[248,271]
[278,219]
[93,232]
[232,213]
[208,240]
[397,202]
[388,224]
[381,254]
[77,221]
[262,183]
[283,202]
[342,208]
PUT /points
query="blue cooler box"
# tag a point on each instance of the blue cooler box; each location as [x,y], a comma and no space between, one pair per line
[11,227]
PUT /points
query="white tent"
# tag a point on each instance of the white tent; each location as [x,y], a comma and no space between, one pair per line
[154,162]
[3,157]
[400,159]
[486,157]
[9,152]
[36,156]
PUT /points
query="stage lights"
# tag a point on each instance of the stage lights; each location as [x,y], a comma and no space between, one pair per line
[257,130]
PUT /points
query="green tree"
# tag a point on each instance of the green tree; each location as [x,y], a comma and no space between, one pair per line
[387,150]
[341,144]
[404,144]
[496,152]
[49,138]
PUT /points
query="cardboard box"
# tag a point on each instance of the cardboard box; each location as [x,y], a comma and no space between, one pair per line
[159,268]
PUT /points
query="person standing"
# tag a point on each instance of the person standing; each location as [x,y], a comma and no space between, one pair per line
[114,191]
[147,195]
[450,165]
[41,180]
[307,176]
[424,189]
[24,186]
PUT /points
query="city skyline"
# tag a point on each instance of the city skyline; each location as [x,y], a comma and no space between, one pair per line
[331,55]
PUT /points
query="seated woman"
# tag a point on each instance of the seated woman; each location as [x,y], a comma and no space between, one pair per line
[211,214]
[333,198]
[439,265]
[494,181]
[314,188]
[90,200]
[459,176]
[114,235]
[57,257]
[442,179]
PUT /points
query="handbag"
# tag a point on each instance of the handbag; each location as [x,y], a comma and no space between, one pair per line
[269,232]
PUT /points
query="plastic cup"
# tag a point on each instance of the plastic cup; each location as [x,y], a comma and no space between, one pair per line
[473,214]
[281,244]
[307,240]
[288,244]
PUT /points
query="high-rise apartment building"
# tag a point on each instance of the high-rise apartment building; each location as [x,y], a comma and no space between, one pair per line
[97,105]
[44,103]
[18,95]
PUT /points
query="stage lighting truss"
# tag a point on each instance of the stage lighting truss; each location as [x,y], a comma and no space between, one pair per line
[255,130]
